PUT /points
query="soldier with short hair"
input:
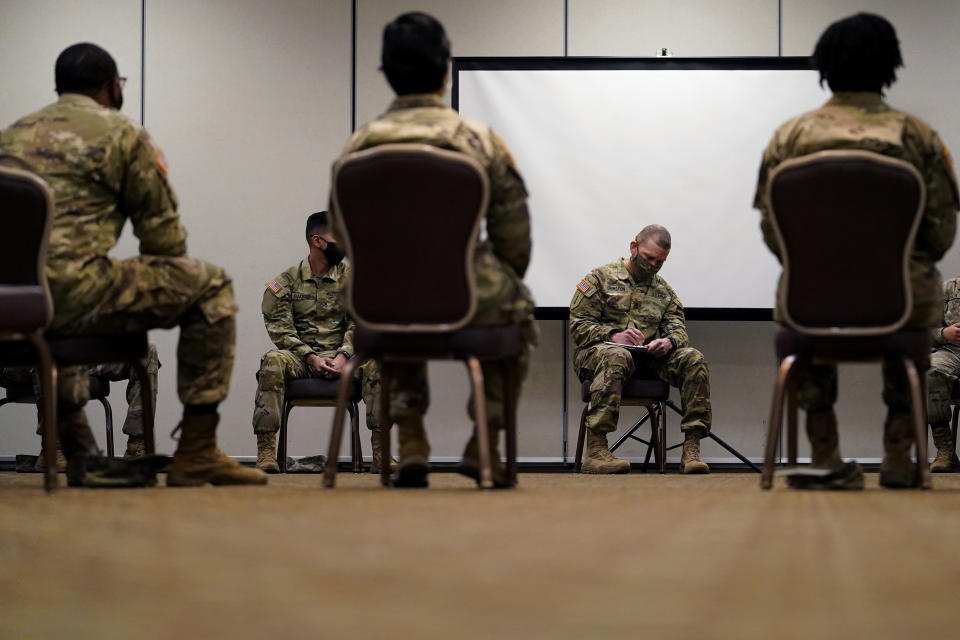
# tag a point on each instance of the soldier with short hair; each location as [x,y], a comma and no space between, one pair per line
[858,57]
[102,170]
[416,60]
[627,302]
[941,378]
[306,317]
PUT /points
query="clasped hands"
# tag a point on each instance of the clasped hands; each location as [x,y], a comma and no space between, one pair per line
[952,333]
[329,368]
[631,336]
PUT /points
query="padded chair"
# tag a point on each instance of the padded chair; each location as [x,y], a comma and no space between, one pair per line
[955,405]
[26,309]
[22,393]
[839,303]
[649,393]
[420,207]
[25,305]
[318,392]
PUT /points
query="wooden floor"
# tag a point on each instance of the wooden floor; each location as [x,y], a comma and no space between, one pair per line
[562,556]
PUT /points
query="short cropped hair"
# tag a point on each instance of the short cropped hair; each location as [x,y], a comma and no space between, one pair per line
[317,223]
[83,68]
[655,232]
[415,53]
[858,53]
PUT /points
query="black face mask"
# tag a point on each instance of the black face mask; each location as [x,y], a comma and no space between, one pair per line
[333,254]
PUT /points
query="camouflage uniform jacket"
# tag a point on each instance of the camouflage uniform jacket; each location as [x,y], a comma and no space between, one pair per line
[425,118]
[609,299]
[951,314]
[102,169]
[305,314]
[862,120]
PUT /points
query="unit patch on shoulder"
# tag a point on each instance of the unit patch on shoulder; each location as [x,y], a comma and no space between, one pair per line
[162,162]
[586,288]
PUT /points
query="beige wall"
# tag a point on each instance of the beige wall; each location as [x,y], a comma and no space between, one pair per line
[251,102]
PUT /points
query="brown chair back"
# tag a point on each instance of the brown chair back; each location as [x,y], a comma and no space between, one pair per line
[846,223]
[410,216]
[26,210]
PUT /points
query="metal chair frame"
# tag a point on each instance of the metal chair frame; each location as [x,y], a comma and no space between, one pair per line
[104,402]
[353,409]
[656,407]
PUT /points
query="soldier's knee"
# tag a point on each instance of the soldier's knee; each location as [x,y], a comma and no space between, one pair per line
[616,359]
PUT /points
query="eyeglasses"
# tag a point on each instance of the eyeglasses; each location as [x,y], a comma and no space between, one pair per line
[123,81]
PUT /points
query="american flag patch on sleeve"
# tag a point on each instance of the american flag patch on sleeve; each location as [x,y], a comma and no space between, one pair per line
[274,286]
[584,286]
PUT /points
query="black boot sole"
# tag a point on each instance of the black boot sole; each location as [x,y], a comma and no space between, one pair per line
[412,473]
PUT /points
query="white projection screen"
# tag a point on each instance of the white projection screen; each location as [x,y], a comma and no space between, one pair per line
[607,146]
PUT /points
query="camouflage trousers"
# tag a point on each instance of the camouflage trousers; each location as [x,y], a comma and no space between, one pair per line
[941,377]
[609,367]
[816,385]
[157,292]
[133,424]
[502,299]
[279,367]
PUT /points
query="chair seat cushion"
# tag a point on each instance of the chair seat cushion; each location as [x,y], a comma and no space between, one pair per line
[98,349]
[486,343]
[636,388]
[303,388]
[25,307]
[910,343]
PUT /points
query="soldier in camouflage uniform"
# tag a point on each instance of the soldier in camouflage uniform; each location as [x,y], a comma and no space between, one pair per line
[415,59]
[858,56]
[304,313]
[627,302]
[115,372]
[103,169]
[942,376]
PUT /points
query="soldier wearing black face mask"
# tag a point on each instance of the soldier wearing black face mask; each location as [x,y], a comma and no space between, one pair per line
[306,319]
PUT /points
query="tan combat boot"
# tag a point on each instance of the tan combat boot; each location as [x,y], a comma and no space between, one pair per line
[198,461]
[470,463]
[690,461]
[414,465]
[267,452]
[136,448]
[78,444]
[825,454]
[598,458]
[41,465]
[896,469]
[377,452]
[946,460]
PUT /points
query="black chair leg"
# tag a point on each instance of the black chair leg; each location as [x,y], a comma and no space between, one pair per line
[344,389]
[386,382]
[356,451]
[580,437]
[776,419]
[108,418]
[149,411]
[285,410]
